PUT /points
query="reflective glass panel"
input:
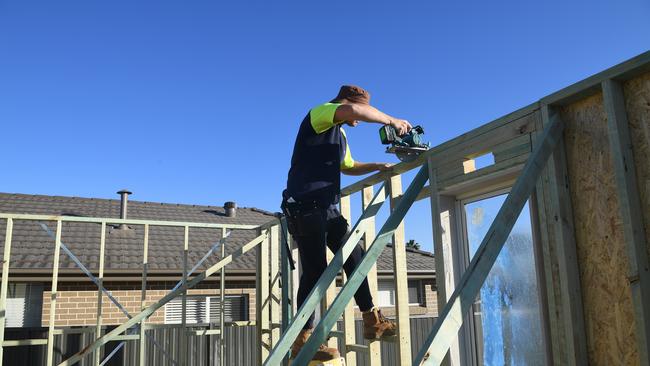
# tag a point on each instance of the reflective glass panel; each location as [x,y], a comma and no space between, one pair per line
[506,313]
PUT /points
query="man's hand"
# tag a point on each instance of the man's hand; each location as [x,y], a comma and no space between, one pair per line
[401,125]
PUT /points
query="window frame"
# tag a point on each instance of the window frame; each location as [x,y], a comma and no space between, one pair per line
[419,287]
[468,332]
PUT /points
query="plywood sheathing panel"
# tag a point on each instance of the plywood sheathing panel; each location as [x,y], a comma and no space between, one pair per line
[607,300]
[637,105]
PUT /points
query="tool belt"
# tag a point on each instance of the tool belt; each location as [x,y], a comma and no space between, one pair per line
[304,218]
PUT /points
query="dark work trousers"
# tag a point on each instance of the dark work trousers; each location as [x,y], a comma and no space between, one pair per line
[319,228]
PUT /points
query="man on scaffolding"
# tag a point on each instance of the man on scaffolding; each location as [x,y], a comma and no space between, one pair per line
[320,154]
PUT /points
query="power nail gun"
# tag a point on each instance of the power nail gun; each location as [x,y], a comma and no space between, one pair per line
[408,146]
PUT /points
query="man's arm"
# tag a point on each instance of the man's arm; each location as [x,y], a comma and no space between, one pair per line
[363,112]
[365,168]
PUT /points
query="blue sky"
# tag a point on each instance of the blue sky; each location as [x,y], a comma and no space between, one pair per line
[199,101]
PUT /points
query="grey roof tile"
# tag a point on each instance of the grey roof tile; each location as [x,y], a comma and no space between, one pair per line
[32,248]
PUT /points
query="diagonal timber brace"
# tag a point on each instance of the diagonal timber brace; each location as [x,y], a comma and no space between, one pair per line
[329,275]
[86,271]
[97,282]
[152,308]
[451,319]
[321,332]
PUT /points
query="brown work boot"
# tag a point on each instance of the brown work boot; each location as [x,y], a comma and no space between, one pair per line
[324,353]
[376,326]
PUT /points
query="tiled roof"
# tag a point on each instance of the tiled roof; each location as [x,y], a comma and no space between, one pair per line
[32,248]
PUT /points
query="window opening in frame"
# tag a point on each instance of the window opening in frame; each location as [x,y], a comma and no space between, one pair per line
[506,320]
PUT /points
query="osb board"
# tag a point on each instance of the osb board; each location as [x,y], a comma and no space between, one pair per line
[607,301]
[637,104]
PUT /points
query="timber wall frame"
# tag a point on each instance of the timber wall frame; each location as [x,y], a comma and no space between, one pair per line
[538,157]
[545,179]
[266,244]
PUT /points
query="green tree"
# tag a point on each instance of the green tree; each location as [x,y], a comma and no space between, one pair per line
[413,244]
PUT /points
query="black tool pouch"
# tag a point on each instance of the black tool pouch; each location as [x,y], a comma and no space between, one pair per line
[304,221]
[310,222]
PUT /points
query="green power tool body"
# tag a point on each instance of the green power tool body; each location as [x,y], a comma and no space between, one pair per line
[408,146]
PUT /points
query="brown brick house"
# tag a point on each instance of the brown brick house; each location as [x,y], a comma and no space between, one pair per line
[32,252]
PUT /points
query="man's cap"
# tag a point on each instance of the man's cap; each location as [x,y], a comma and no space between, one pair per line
[353,94]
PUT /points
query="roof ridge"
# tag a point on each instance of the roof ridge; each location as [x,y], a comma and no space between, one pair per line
[131,201]
[262,211]
[413,250]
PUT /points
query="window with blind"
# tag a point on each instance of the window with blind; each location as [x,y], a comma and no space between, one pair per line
[386,293]
[24,305]
[206,309]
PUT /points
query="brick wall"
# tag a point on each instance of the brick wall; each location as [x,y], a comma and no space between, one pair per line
[431,298]
[76,302]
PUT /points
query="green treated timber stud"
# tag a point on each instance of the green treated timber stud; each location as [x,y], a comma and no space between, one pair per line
[5,283]
[631,212]
[222,305]
[55,279]
[286,278]
[275,293]
[143,296]
[438,245]
[183,338]
[262,314]
[574,347]
[329,275]
[153,307]
[321,331]
[98,326]
[451,318]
